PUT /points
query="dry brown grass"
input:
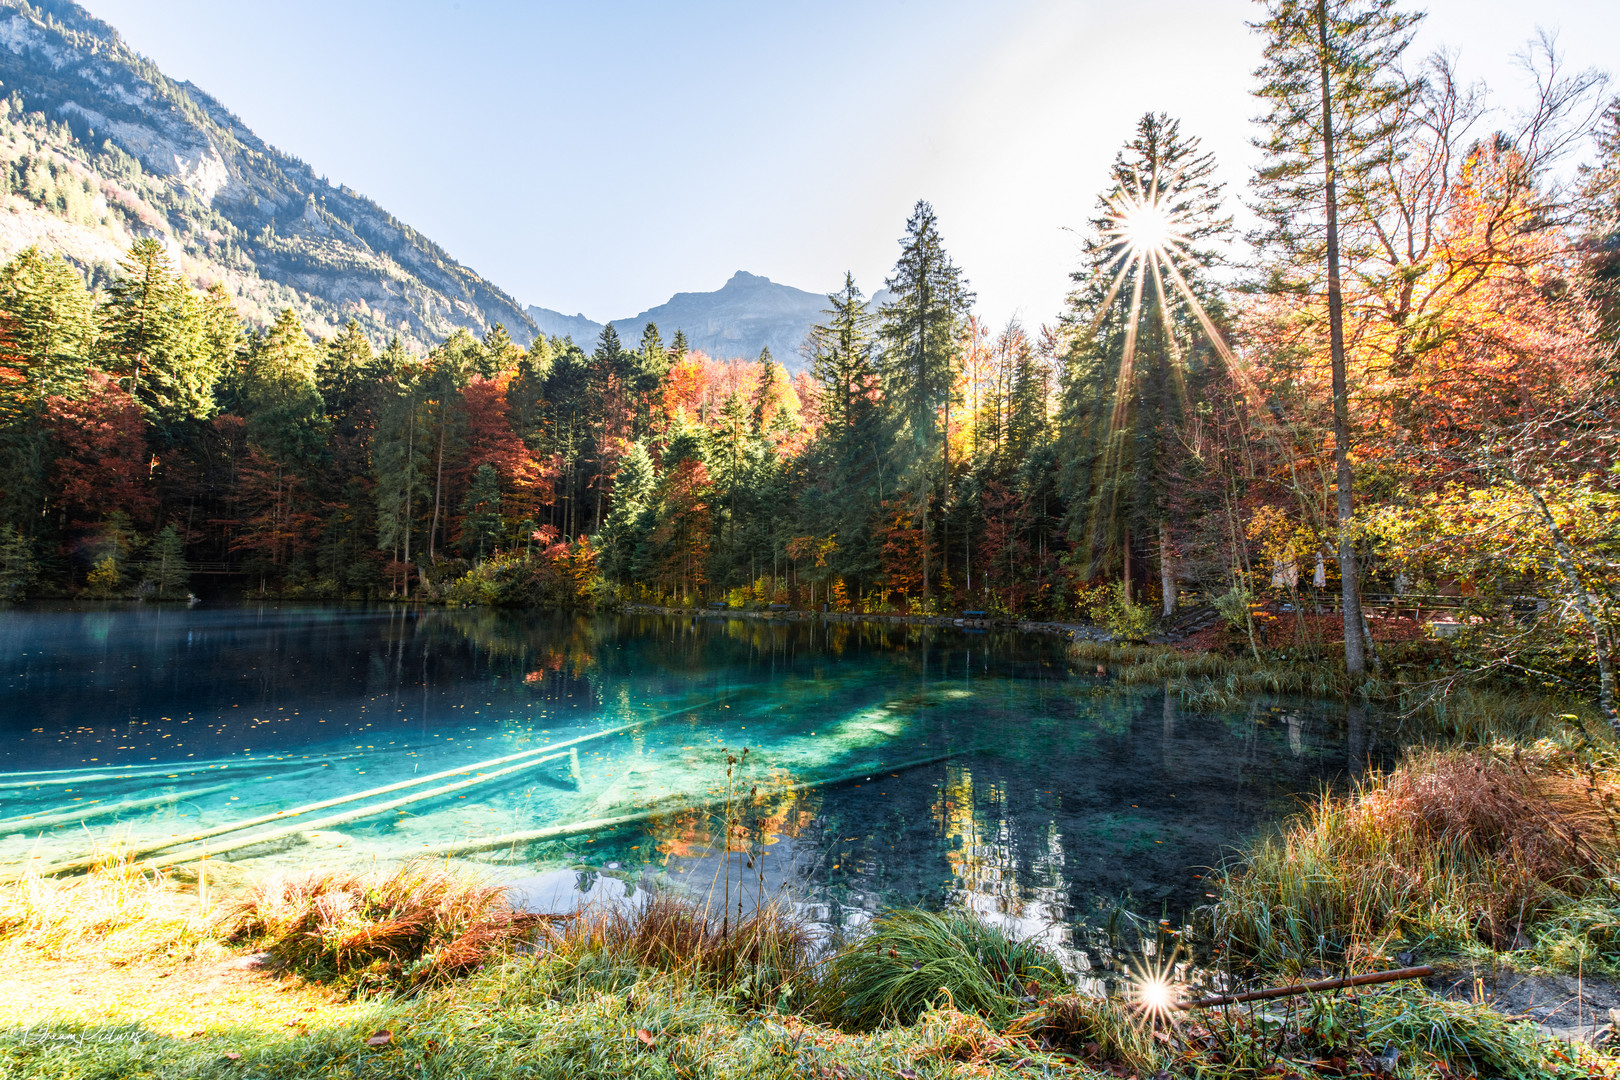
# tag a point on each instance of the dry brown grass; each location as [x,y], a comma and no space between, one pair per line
[1460,845]
[399,928]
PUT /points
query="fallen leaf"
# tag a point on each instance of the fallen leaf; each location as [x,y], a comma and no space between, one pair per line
[380,1038]
[644,1035]
[907,1074]
[233,1055]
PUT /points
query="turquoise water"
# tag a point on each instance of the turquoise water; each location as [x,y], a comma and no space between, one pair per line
[884,765]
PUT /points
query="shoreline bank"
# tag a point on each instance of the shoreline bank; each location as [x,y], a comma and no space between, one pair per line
[1068,631]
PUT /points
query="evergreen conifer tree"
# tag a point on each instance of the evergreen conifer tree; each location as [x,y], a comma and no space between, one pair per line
[165,569]
[1134,357]
[921,332]
[1330,82]
[154,338]
[481,522]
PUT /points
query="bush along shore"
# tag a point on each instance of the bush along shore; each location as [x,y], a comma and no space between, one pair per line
[1465,859]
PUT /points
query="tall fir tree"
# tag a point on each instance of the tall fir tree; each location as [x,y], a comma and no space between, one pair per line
[1330,82]
[154,339]
[1135,356]
[921,334]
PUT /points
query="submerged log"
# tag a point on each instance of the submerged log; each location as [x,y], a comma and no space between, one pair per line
[572,745]
[606,824]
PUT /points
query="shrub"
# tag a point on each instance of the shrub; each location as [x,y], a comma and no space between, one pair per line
[1126,620]
[103,578]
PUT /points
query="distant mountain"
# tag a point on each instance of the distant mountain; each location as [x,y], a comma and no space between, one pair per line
[556,324]
[100,147]
[745,315]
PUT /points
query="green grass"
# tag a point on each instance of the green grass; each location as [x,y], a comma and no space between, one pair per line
[549,1018]
[663,991]
[908,960]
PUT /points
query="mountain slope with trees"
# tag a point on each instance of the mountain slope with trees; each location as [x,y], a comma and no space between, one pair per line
[102,148]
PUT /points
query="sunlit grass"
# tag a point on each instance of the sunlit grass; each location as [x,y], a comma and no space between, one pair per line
[661,990]
[1498,849]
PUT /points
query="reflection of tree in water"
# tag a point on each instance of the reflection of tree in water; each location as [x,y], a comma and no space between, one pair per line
[1072,814]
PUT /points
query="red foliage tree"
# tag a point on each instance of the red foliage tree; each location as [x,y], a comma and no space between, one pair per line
[102,464]
[526,484]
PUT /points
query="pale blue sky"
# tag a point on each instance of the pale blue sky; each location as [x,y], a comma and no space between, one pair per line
[600,156]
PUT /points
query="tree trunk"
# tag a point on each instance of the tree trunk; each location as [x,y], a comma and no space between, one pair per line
[410,473]
[438,488]
[1355,653]
[1126,579]
[1167,570]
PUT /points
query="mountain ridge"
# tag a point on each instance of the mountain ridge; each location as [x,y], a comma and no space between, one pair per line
[153,156]
[750,312]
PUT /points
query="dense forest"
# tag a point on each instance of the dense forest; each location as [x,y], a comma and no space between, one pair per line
[1402,381]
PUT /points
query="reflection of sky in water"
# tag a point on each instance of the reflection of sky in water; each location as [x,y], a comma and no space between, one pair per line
[971,770]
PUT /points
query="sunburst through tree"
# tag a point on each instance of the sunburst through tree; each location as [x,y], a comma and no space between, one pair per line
[1142,335]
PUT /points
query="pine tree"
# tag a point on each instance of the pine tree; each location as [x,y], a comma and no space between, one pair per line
[500,353]
[47,332]
[846,462]
[18,568]
[154,338]
[344,369]
[765,391]
[165,569]
[285,414]
[1330,81]
[1132,365]
[678,348]
[921,332]
[625,530]
[400,460]
[481,522]
[51,322]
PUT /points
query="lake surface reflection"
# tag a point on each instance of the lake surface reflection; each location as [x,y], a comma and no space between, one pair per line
[885,765]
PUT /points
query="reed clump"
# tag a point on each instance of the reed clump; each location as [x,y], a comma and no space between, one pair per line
[402,928]
[1453,848]
[764,956]
[909,960]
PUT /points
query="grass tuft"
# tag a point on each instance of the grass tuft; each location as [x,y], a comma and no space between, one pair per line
[396,929]
[762,957]
[910,960]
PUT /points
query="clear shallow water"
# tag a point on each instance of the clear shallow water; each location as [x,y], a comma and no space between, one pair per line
[885,765]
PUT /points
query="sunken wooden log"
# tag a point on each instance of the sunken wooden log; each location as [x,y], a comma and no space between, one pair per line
[1420,972]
